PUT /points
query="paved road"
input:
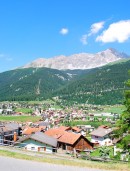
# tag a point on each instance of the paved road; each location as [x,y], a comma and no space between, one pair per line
[11,164]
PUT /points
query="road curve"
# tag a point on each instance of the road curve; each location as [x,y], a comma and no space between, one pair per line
[11,164]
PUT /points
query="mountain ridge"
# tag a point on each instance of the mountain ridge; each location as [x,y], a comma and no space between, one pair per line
[100,85]
[78,61]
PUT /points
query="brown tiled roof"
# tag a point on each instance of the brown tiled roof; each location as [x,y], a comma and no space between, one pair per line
[55,132]
[30,130]
[63,136]
[69,138]
[64,128]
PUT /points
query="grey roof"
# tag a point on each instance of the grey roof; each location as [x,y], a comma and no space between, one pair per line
[101,132]
[40,137]
[21,139]
[116,140]
[6,127]
[42,123]
[3,129]
[12,126]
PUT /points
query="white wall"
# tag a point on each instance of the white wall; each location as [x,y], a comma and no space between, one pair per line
[101,140]
[32,145]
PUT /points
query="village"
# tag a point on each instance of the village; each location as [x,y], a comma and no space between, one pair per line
[57,131]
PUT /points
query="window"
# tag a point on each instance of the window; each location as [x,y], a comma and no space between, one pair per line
[96,141]
[32,148]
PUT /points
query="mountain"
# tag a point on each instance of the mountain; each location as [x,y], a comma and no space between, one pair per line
[33,83]
[29,84]
[78,61]
[103,85]
[118,54]
[96,85]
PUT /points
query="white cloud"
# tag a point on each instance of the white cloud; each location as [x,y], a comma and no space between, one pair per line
[84,39]
[96,27]
[64,31]
[116,32]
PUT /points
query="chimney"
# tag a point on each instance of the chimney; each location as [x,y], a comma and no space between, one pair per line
[15,136]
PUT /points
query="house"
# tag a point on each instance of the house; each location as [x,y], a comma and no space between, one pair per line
[64,128]
[77,130]
[86,128]
[42,123]
[32,129]
[13,127]
[69,141]
[38,142]
[101,136]
[74,129]
[7,131]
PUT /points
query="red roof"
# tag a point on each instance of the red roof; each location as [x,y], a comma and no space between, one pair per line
[30,130]
[64,128]
[63,136]
[76,129]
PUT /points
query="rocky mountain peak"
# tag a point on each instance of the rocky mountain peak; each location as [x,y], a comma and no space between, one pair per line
[78,61]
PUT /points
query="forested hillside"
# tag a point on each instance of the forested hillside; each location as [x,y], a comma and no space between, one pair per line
[30,84]
[103,85]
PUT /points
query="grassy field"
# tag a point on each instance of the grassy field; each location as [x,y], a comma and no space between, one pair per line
[20,118]
[107,109]
[95,124]
[114,109]
[41,102]
[24,110]
[71,162]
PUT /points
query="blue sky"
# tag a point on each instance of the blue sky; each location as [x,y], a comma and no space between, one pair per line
[30,29]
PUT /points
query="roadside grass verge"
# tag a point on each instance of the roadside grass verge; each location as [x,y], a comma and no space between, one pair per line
[70,162]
